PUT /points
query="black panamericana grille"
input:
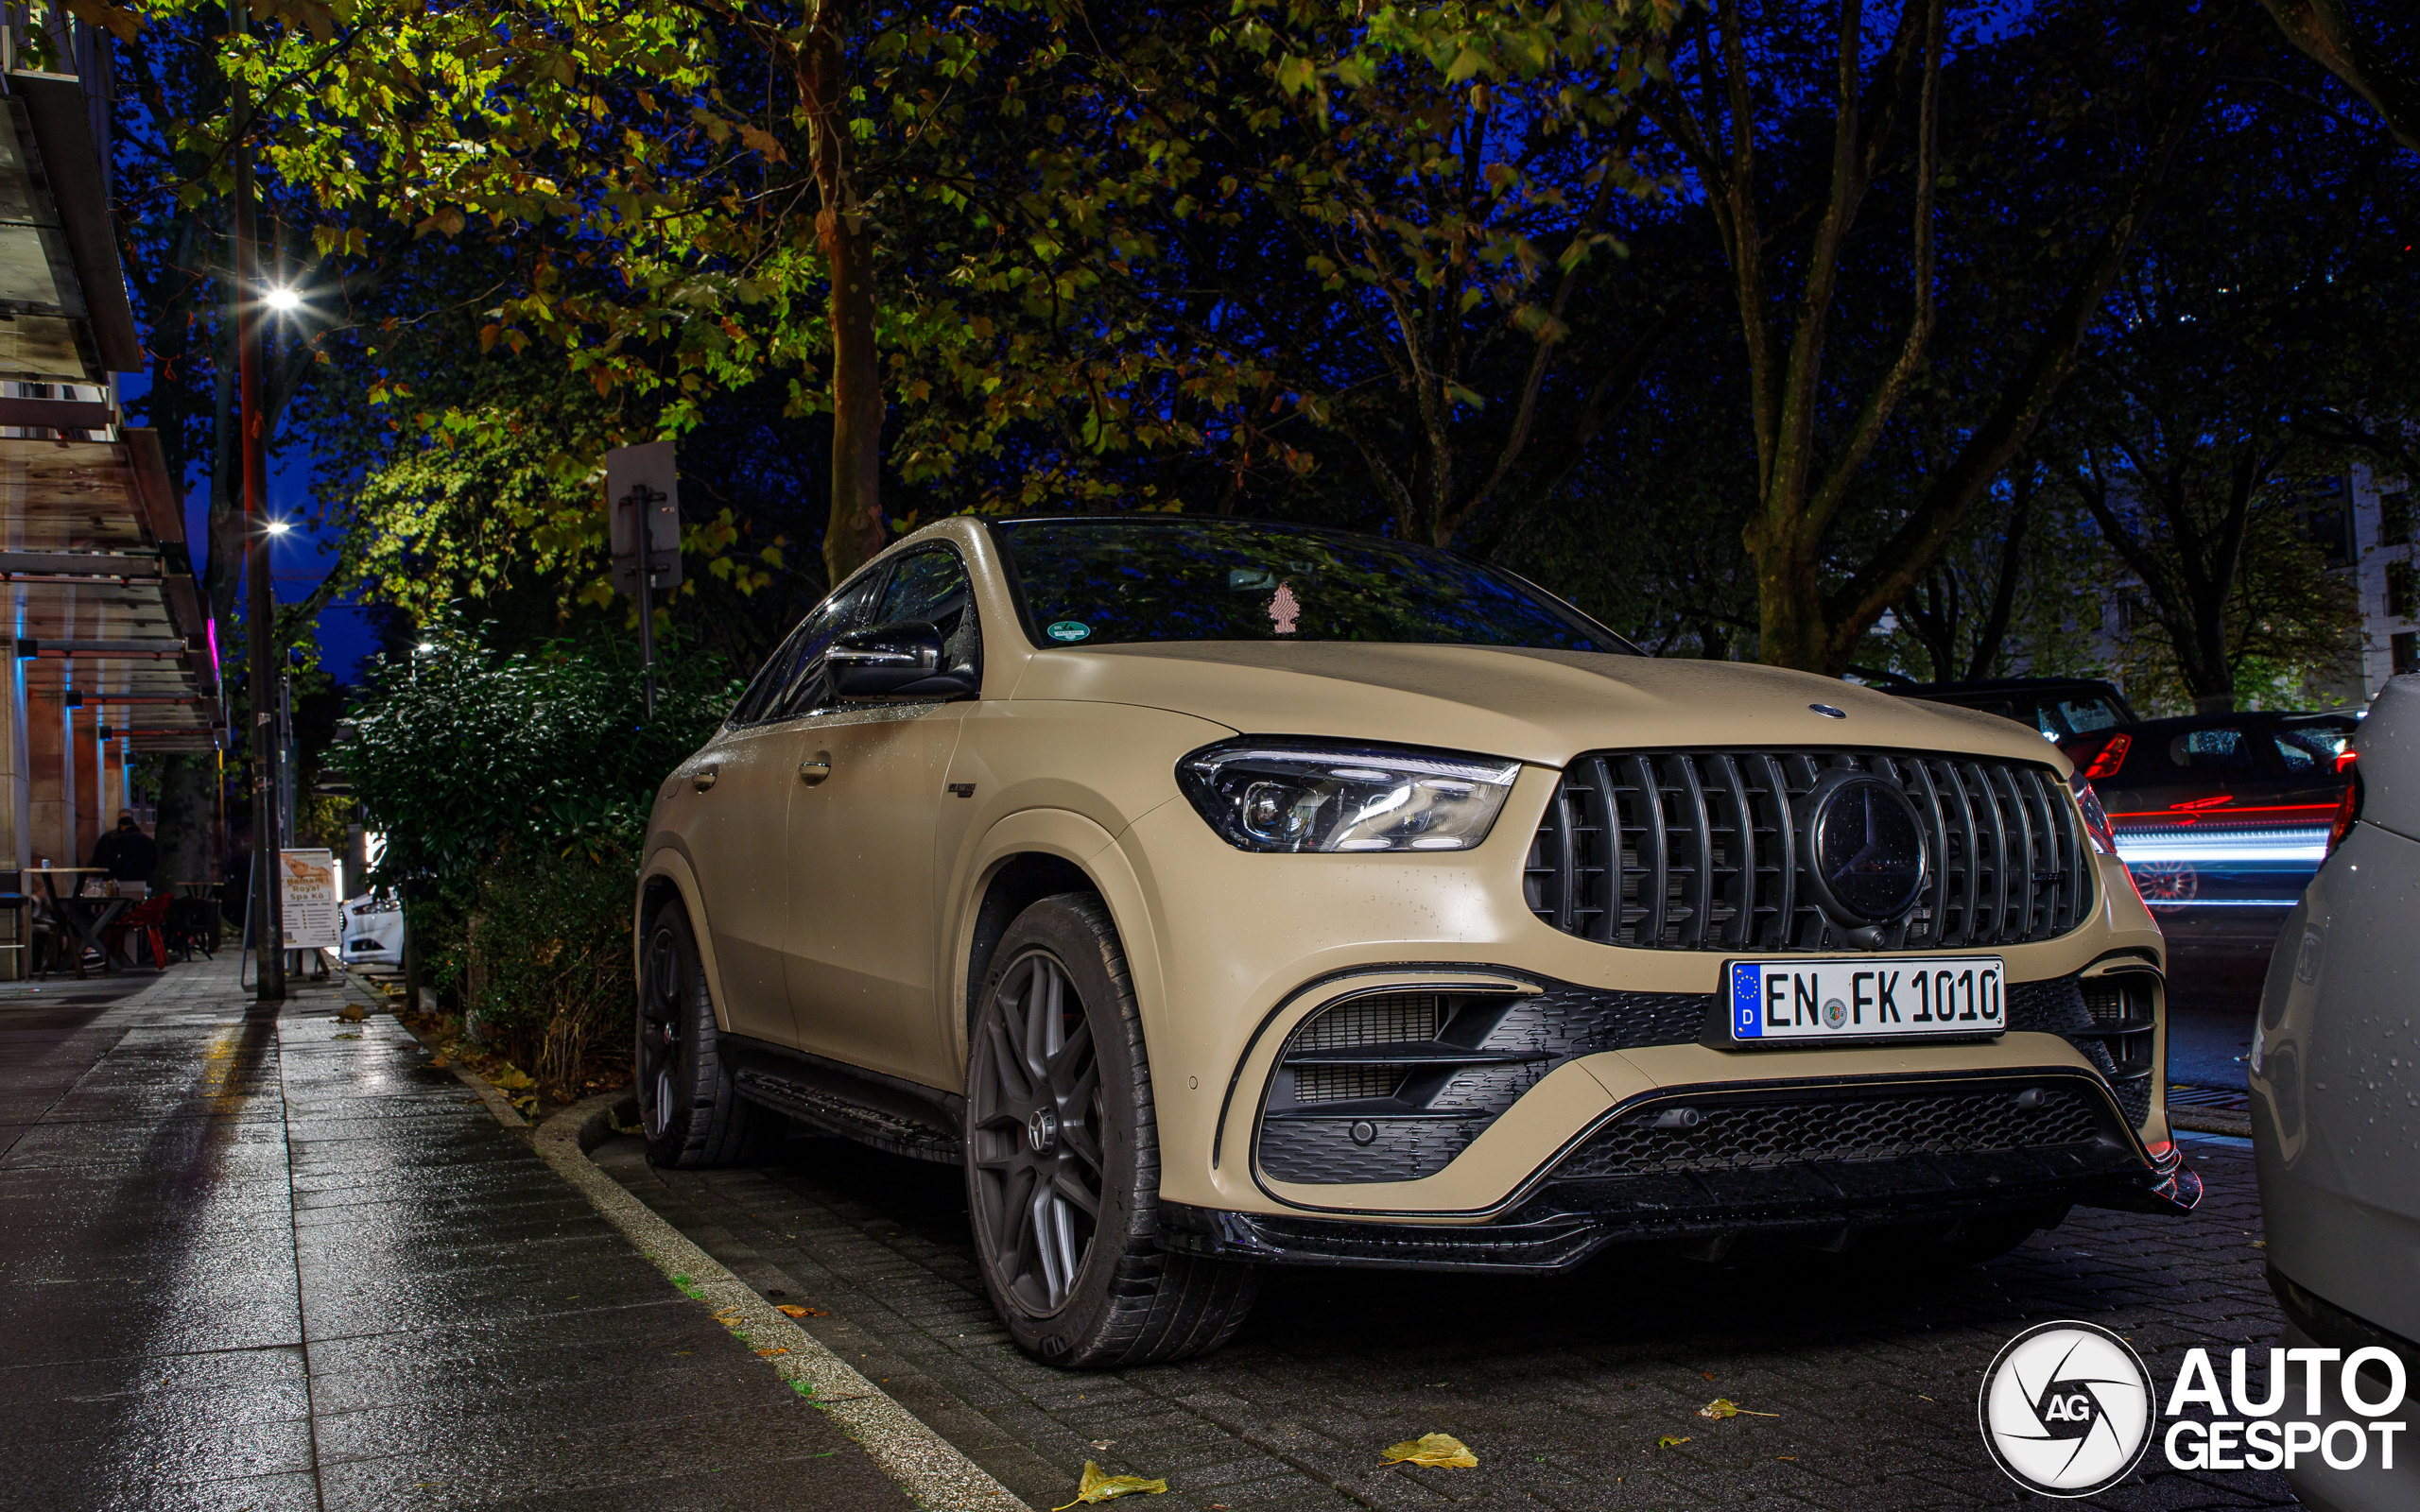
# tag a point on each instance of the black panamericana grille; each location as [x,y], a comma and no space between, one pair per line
[1703,851]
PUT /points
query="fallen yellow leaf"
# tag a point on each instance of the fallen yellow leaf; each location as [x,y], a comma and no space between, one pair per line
[1100,1485]
[792,1310]
[1670,1440]
[1722,1407]
[766,1354]
[1431,1449]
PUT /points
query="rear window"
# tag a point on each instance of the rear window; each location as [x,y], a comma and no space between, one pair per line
[2313,748]
[2081,716]
[1095,582]
[2224,748]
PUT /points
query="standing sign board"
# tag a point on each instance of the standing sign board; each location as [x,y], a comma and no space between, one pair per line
[314,902]
[643,491]
[642,510]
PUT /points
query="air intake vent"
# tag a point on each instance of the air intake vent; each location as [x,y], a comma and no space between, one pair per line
[1699,850]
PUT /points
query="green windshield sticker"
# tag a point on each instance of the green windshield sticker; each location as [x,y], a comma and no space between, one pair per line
[1068,630]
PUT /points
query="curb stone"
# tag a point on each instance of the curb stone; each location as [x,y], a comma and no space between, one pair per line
[927,1467]
[2211,1121]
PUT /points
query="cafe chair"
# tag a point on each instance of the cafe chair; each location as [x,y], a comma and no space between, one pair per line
[143,921]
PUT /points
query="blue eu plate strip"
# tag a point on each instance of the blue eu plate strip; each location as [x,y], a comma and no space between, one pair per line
[1747,998]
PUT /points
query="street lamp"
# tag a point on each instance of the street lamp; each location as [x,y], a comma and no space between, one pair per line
[282,300]
[279,528]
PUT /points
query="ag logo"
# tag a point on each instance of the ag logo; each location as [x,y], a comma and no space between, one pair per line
[1835,1013]
[2066,1409]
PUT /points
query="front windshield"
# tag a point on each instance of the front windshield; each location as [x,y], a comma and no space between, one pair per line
[1095,582]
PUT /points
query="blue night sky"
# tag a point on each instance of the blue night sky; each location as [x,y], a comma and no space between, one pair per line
[299,560]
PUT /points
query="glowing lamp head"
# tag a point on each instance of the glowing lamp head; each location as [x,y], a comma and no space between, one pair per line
[279,528]
[281,299]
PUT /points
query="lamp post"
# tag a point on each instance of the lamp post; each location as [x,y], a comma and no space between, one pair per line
[268,922]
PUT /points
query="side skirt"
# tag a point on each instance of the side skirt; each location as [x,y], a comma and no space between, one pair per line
[888,1113]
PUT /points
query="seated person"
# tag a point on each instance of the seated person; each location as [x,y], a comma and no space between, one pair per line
[126,852]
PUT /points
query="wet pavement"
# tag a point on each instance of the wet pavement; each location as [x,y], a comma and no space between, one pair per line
[1561,1386]
[272,1261]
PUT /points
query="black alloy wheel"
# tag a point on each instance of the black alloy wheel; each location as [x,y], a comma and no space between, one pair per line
[662,1007]
[689,1109]
[1062,1167]
[1037,1133]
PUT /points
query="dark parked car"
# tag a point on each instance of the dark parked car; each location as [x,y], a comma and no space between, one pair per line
[2061,708]
[2222,820]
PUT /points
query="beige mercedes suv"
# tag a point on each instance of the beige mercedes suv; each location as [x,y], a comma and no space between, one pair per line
[1221,894]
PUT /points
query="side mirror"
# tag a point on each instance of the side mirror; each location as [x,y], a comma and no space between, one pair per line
[892,661]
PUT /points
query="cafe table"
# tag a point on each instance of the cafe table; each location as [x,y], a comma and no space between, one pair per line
[84,917]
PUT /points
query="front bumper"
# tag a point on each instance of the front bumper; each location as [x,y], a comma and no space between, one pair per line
[1630,1181]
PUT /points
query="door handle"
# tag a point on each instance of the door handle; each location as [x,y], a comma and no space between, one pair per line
[814,768]
[702,778]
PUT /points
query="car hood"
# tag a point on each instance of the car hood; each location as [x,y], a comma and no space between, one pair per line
[1538,706]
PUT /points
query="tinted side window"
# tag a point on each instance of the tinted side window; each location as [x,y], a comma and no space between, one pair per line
[933,586]
[809,684]
[771,678]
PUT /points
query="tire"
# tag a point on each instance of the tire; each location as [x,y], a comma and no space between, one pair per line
[690,1112]
[1063,1160]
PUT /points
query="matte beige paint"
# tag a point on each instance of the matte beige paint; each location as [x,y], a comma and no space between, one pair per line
[860,952]
[1072,753]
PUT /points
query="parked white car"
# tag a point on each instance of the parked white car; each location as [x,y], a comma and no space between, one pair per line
[372,932]
[2336,1115]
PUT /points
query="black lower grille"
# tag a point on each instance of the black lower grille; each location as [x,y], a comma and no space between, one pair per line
[1752,1136]
[1392,1086]
[1703,851]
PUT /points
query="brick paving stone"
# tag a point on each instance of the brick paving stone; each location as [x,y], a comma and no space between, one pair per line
[1562,1385]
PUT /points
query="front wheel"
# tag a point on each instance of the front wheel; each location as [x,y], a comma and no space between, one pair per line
[689,1109]
[1063,1166]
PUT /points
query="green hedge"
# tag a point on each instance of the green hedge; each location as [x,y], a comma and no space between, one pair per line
[512,789]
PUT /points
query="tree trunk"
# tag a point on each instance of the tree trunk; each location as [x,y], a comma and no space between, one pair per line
[183,829]
[855,530]
[1995,629]
[2209,672]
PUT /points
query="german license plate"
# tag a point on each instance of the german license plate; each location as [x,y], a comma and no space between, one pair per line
[1866,998]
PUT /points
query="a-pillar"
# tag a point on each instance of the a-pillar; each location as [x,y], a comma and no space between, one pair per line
[50,778]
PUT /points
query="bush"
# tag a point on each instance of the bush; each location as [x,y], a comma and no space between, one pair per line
[512,789]
[462,754]
[547,947]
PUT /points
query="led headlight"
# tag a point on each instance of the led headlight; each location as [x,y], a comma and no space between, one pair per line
[1303,795]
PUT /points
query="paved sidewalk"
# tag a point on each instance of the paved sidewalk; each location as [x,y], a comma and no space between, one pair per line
[273,1260]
